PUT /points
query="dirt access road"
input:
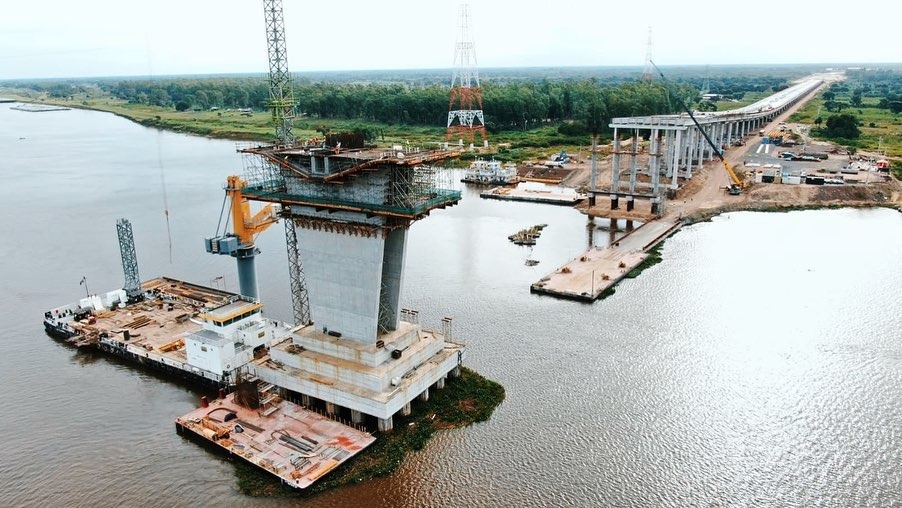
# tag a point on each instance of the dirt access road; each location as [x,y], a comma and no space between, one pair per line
[705,194]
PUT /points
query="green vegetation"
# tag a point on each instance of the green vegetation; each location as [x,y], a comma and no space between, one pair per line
[654,257]
[530,113]
[861,113]
[465,400]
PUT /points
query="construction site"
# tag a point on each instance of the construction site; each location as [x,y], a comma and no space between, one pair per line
[297,399]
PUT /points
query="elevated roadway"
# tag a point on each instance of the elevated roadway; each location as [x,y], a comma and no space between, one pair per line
[677,146]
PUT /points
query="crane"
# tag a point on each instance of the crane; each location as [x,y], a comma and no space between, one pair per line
[735,187]
[240,243]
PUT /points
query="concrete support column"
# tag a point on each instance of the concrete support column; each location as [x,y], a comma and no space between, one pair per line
[690,149]
[330,408]
[693,150]
[424,396]
[730,134]
[593,183]
[357,416]
[654,163]
[386,424]
[675,160]
[629,203]
[305,400]
[405,410]
[440,384]
[615,202]
[455,372]
[615,162]
[634,156]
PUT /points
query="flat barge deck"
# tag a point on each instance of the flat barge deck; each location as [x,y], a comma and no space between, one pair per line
[171,328]
[588,276]
[533,196]
[294,444]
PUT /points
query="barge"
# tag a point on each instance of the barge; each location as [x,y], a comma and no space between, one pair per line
[194,332]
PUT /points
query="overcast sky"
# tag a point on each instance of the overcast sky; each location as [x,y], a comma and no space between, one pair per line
[123,38]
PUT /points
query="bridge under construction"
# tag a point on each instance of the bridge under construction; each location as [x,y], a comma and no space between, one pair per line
[677,146]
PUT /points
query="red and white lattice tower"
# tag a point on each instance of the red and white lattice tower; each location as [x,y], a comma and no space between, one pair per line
[465,116]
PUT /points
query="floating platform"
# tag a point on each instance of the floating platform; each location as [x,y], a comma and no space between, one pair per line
[160,329]
[596,270]
[296,445]
[39,108]
[533,196]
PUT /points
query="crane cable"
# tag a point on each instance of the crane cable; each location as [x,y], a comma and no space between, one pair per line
[221,212]
[160,154]
[165,199]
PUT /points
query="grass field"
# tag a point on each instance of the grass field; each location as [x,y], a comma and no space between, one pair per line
[881,130]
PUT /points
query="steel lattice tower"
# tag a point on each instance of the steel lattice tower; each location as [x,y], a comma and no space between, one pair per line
[281,97]
[132,285]
[648,73]
[281,102]
[465,107]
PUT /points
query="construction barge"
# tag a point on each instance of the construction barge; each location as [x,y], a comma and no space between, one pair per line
[196,333]
[533,196]
[295,401]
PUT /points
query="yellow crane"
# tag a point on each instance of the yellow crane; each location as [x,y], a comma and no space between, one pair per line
[245,226]
[735,187]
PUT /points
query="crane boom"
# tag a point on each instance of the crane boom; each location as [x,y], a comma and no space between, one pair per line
[736,183]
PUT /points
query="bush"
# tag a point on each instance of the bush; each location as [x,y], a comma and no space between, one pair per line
[573,129]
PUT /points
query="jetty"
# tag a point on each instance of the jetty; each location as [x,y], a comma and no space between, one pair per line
[546,196]
[589,275]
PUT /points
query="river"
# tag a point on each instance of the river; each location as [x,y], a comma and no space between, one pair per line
[759,364]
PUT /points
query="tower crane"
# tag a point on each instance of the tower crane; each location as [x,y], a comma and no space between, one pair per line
[735,187]
[240,243]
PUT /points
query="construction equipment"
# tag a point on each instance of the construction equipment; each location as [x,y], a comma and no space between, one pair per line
[735,187]
[240,243]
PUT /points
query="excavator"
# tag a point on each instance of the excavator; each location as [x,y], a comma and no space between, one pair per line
[735,187]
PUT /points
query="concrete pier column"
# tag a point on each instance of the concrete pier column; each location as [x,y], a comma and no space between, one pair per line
[629,224]
[440,384]
[615,162]
[629,203]
[405,409]
[615,202]
[675,160]
[357,416]
[330,408]
[613,226]
[424,396]
[653,159]
[634,160]
[305,400]
[386,424]
[455,372]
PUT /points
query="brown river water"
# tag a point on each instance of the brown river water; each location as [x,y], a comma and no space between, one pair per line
[759,365]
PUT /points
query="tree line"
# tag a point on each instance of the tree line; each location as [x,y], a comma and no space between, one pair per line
[584,105]
[577,105]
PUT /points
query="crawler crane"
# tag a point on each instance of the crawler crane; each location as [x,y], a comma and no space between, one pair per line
[735,187]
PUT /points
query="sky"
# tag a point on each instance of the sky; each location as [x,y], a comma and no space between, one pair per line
[55,38]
